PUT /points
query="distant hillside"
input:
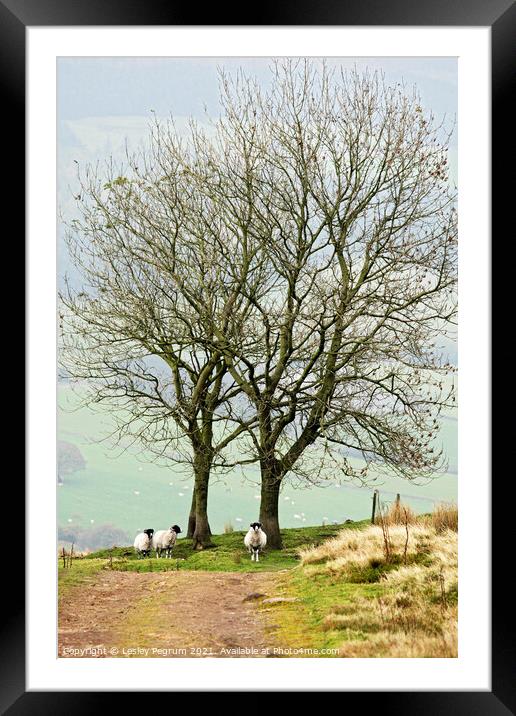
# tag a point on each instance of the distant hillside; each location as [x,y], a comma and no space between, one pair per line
[69,460]
[91,538]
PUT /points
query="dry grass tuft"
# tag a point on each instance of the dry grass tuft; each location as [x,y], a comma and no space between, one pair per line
[446,517]
[400,645]
[366,548]
[397,514]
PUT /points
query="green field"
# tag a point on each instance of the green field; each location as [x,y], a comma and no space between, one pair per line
[131,494]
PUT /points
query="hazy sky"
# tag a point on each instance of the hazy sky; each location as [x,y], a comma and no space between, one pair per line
[125,86]
[105,102]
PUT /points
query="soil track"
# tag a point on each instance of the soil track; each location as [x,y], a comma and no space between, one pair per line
[171,614]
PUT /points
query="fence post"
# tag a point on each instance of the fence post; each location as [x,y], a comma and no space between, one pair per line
[375,496]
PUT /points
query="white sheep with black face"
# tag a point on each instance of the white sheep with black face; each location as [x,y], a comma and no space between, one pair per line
[255,540]
[164,540]
[143,543]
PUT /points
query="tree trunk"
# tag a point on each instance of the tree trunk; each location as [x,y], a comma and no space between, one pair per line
[202,533]
[191,518]
[269,507]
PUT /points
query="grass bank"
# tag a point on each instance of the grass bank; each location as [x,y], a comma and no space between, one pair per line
[374,593]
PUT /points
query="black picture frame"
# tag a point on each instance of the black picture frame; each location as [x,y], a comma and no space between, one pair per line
[500,16]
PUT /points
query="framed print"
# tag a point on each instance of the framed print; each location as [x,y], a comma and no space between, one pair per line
[259,309]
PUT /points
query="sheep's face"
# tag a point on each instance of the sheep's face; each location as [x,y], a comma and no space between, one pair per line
[176,529]
[149,533]
[256,526]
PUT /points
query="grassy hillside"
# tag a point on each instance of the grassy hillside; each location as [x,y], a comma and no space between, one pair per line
[130,494]
[228,555]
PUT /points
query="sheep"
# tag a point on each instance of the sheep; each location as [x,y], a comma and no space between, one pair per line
[143,543]
[255,540]
[164,540]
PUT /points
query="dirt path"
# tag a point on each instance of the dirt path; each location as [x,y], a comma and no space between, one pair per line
[167,614]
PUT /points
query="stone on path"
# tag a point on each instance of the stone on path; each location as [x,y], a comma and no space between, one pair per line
[254,595]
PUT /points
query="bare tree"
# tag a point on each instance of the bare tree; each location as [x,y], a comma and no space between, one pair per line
[339,184]
[137,336]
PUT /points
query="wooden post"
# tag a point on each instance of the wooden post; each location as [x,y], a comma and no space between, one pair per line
[397,509]
[375,497]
